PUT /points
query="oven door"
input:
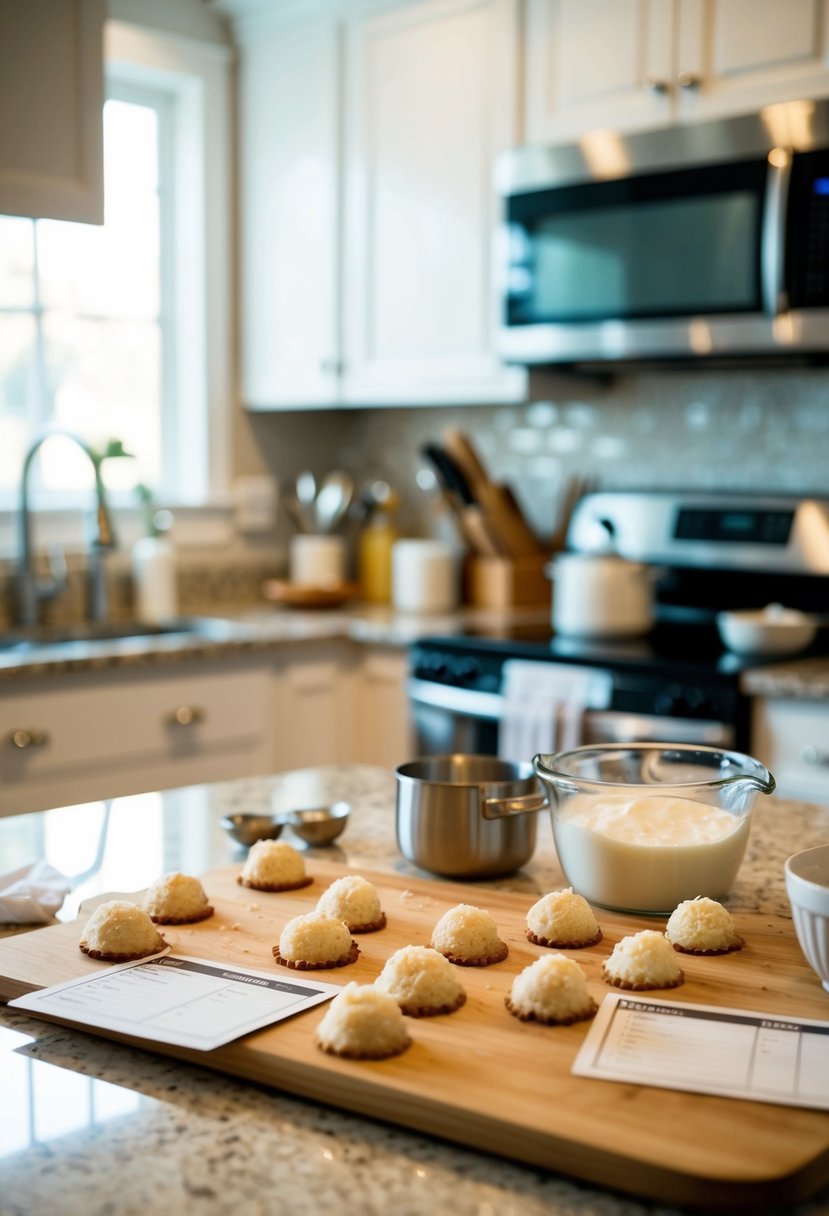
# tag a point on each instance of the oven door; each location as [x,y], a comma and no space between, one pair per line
[448,720]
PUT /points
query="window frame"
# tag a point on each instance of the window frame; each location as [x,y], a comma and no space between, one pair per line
[196,76]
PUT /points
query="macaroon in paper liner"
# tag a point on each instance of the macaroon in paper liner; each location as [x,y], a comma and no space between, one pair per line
[738,945]
[275,887]
[523,1016]
[384,1054]
[302,965]
[554,944]
[183,920]
[374,927]
[627,986]
[485,961]
[105,956]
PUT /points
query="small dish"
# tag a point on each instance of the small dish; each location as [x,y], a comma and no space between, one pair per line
[773,630]
[247,829]
[318,825]
[807,886]
[306,595]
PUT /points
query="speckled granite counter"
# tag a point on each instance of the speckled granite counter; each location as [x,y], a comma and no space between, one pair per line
[93,1127]
[801,680]
[252,632]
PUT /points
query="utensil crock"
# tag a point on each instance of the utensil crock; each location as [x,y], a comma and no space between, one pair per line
[640,827]
[467,816]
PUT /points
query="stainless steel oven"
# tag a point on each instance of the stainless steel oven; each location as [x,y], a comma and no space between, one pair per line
[677,683]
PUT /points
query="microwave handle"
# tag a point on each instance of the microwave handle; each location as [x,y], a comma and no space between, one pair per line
[773,241]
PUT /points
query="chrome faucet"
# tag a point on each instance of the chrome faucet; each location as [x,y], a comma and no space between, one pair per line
[31,590]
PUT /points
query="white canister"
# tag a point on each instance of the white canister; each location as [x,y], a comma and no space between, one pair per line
[154,574]
[317,560]
[601,595]
[424,576]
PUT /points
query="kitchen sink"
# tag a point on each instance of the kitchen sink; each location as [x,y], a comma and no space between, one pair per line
[19,641]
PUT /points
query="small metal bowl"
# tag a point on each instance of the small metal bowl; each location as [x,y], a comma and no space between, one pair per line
[247,829]
[318,824]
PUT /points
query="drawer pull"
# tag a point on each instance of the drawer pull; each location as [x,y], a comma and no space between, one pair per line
[813,755]
[652,84]
[185,715]
[689,81]
[22,739]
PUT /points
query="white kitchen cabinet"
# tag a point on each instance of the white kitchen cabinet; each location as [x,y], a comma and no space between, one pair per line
[51,100]
[792,739]
[367,139]
[385,734]
[624,65]
[314,710]
[290,209]
[75,738]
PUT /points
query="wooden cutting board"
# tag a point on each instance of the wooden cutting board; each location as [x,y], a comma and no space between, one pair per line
[482,1078]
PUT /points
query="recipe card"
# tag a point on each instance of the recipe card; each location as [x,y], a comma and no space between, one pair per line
[710,1050]
[175,999]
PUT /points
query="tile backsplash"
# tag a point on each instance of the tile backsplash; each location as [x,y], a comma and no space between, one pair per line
[754,431]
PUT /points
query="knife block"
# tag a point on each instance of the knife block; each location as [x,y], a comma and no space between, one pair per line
[507,582]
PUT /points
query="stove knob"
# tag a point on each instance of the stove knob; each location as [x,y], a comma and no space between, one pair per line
[464,671]
[669,702]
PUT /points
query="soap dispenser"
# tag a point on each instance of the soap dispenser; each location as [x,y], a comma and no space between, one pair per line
[375,544]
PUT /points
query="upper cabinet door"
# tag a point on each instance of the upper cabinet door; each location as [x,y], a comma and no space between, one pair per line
[51,100]
[594,64]
[432,98]
[737,55]
[290,215]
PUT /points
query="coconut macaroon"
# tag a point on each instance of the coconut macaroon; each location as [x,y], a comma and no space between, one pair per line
[702,926]
[314,941]
[272,865]
[553,991]
[176,899]
[643,960]
[564,920]
[362,1023]
[119,932]
[422,982]
[468,937]
[354,901]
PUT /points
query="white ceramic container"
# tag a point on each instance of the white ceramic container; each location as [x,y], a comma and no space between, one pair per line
[424,576]
[807,886]
[772,630]
[601,595]
[317,560]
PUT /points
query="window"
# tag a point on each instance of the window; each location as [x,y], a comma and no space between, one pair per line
[85,341]
[123,331]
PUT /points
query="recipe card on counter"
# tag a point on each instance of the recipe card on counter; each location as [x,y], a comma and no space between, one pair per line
[705,1049]
[175,999]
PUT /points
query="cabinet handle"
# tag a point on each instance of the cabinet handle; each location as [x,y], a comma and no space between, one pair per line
[688,80]
[185,715]
[812,755]
[653,85]
[22,739]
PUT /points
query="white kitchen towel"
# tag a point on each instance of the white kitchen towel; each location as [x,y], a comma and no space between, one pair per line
[32,895]
[545,704]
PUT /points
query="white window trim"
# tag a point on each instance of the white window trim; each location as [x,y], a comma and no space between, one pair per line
[199,74]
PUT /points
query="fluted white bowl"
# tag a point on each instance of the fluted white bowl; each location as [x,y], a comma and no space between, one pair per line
[807,886]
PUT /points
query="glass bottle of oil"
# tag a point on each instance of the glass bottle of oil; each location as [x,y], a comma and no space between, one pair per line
[374,549]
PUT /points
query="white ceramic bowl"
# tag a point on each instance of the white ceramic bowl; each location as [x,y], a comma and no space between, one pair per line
[807,885]
[773,630]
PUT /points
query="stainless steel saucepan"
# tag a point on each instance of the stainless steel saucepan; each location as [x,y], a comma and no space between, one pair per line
[467,816]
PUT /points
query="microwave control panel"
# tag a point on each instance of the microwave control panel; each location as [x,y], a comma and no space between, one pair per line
[808,231]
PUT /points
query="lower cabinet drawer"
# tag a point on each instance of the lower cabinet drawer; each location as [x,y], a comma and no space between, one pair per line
[82,739]
[792,739]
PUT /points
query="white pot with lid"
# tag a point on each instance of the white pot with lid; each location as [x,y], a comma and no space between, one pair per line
[601,595]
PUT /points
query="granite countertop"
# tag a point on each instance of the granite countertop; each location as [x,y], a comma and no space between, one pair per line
[253,632]
[797,680]
[97,1127]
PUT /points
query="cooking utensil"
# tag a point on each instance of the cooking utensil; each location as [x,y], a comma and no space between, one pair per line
[305,490]
[247,829]
[501,510]
[472,522]
[467,816]
[333,501]
[601,595]
[641,827]
[318,825]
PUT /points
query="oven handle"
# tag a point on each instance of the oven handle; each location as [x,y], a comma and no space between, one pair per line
[605,726]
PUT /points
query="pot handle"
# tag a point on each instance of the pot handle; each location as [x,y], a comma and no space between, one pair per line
[500,808]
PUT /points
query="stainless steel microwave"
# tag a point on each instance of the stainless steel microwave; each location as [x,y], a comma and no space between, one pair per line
[699,241]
